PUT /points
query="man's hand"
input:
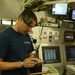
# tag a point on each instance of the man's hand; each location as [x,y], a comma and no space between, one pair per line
[30,62]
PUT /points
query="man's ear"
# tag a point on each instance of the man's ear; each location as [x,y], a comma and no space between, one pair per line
[21,19]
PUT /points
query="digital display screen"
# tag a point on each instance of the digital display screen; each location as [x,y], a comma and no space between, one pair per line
[69,36]
[73,14]
[59,9]
[51,54]
[70,53]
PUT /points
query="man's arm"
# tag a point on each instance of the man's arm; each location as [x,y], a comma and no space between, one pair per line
[9,65]
[27,63]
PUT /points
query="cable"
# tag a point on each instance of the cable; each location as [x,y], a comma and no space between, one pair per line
[37,52]
[40,40]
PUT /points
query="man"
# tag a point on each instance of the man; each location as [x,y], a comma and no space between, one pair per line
[16,46]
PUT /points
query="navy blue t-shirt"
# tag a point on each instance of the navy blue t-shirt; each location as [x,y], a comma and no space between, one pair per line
[14,47]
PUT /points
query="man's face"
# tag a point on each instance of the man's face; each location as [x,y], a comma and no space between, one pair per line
[24,28]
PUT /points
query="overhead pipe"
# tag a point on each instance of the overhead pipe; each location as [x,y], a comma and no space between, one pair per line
[60,1]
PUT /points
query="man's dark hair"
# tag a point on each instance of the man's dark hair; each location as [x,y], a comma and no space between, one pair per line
[30,14]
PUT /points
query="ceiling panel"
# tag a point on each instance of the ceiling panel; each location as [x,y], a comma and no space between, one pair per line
[10,8]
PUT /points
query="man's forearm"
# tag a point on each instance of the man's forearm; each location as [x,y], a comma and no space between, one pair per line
[10,65]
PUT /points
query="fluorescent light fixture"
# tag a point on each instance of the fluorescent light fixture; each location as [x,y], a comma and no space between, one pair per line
[6,22]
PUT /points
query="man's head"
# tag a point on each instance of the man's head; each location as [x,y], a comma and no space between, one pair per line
[27,20]
[27,16]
